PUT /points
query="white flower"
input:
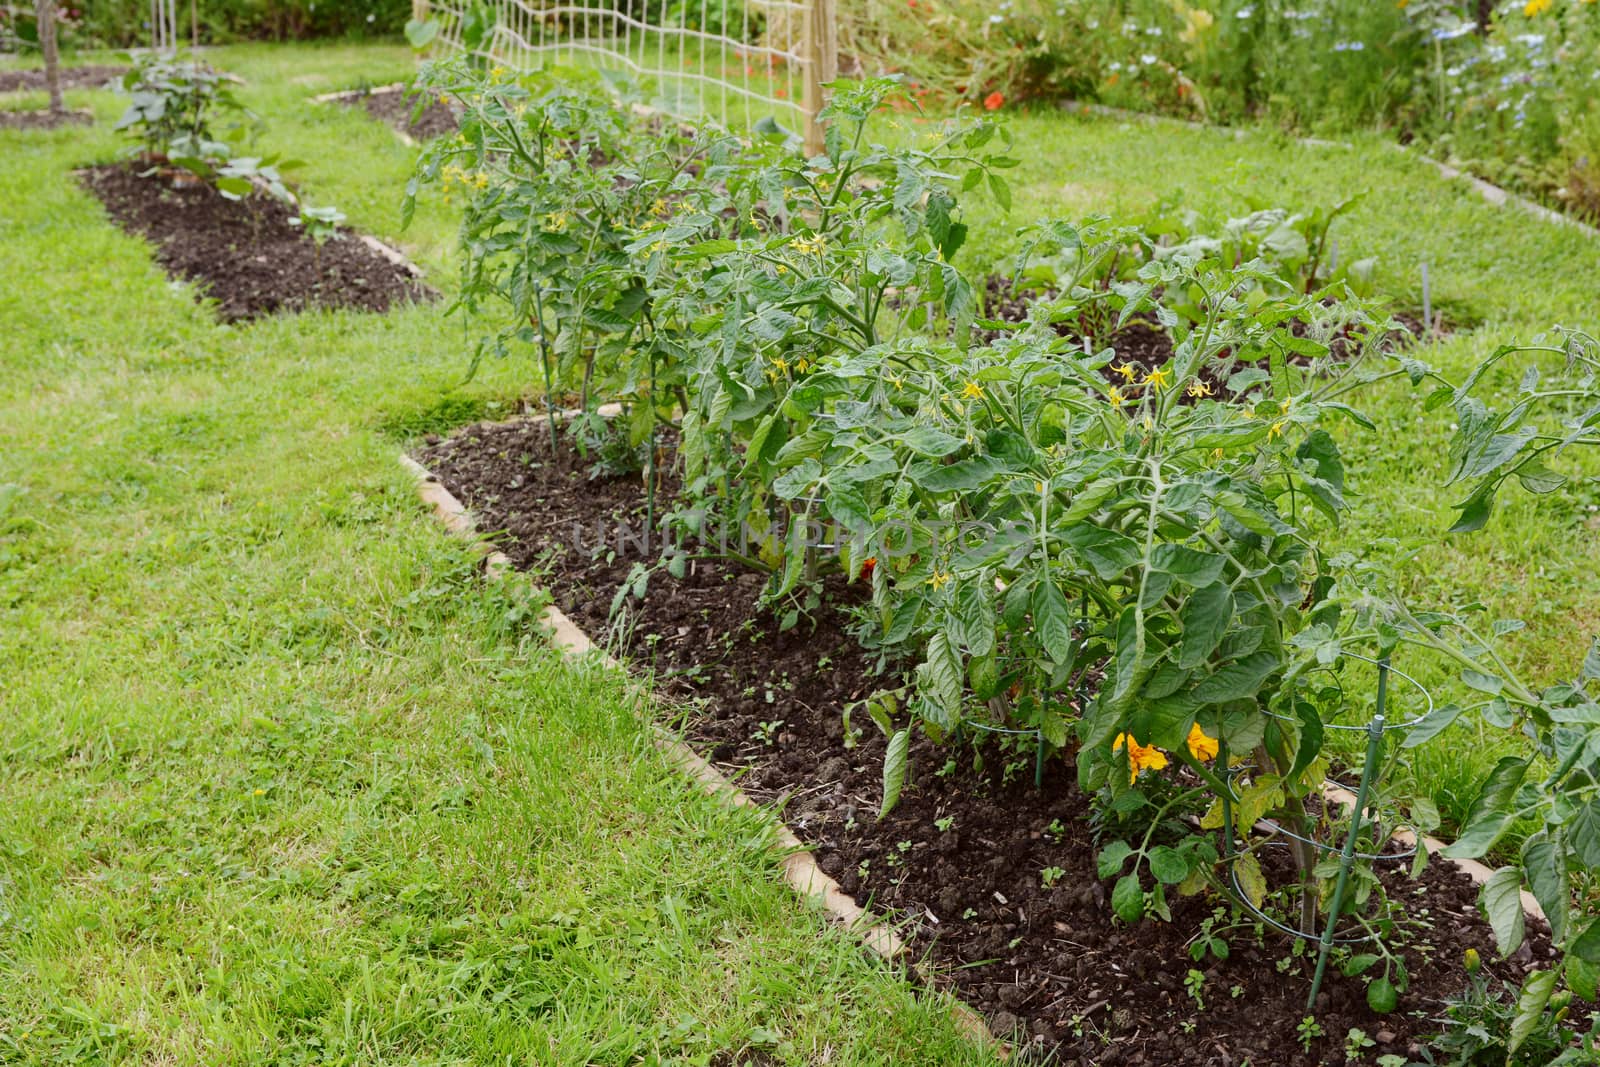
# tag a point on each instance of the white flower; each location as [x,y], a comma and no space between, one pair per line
[1147,59]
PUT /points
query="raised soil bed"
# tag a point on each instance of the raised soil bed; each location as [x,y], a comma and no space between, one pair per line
[1050,967]
[400,112]
[32,80]
[245,254]
[391,105]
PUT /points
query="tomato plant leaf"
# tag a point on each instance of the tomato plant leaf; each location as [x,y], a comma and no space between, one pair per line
[1127,898]
[1502,902]
[1168,865]
[1381,996]
[1544,860]
[1188,565]
[939,682]
[1432,724]
[1536,990]
[1204,620]
[1490,815]
[1248,870]
[960,476]
[895,762]
[1107,552]
[1237,680]
[1112,857]
[1052,619]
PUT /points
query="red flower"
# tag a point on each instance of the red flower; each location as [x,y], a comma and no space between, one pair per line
[867,565]
[994,101]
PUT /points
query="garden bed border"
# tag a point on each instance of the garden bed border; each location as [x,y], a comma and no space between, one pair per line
[339,96]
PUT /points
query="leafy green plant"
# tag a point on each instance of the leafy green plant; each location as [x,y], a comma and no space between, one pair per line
[559,183]
[1555,785]
[182,109]
[1134,563]
[321,224]
[1483,1025]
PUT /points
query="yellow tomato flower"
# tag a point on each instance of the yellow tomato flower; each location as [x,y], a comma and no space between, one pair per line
[1141,758]
[1536,7]
[1201,747]
[939,579]
[659,208]
[1277,429]
[810,245]
[973,390]
[1158,379]
[1116,397]
[1127,370]
[781,364]
[1198,389]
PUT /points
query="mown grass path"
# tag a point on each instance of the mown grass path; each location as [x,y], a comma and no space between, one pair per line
[281,780]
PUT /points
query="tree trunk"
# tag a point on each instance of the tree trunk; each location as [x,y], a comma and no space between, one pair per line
[46,10]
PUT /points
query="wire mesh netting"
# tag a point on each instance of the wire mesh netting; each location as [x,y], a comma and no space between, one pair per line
[735,60]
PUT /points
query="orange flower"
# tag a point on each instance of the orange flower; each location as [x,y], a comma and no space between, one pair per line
[994,101]
[1140,757]
[1201,747]
[867,565]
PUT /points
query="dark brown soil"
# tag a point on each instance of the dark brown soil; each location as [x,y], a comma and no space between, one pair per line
[1051,966]
[397,109]
[245,254]
[42,119]
[93,77]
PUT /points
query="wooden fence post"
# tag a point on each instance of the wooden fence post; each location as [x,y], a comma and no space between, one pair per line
[820,44]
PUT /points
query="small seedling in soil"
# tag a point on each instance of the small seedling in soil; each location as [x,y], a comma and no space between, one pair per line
[1309,1030]
[1355,1043]
[943,825]
[970,913]
[1194,984]
[1236,992]
[1050,876]
[768,730]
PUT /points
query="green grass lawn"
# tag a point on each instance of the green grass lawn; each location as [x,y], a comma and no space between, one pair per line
[282,781]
